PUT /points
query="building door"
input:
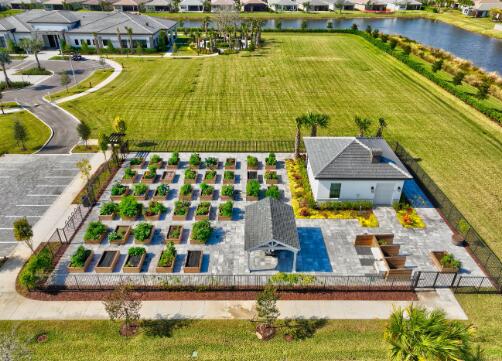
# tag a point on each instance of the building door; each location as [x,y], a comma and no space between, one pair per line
[53,41]
[383,194]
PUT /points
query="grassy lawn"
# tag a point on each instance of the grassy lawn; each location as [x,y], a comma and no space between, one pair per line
[258,95]
[38,133]
[95,78]
[224,340]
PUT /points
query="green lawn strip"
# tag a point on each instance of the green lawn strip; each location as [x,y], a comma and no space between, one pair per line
[257,96]
[10,12]
[8,105]
[95,78]
[60,57]
[38,133]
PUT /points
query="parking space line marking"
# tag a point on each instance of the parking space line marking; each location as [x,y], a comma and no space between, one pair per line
[33,205]
[6,228]
[43,195]
[8,242]
[4,176]
[58,176]
[22,216]
[50,185]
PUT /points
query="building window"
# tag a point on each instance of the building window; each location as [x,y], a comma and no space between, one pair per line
[2,42]
[89,42]
[76,41]
[334,190]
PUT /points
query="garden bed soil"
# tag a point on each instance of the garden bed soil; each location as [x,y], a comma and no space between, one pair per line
[169,237]
[154,217]
[148,239]
[436,257]
[183,217]
[148,180]
[126,231]
[137,262]
[193,262]
[231,166]
[208,197]
[119,197]
[165,269]
[229,181]
[107,262]
[132,180]
[96,241]
[83,269]
[138,166]
[107,217]
[142,197]
[187,197]
[210,181]
[167,177]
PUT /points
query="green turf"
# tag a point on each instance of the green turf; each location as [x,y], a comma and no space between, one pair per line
[38,133]
[94,79]
[258,95]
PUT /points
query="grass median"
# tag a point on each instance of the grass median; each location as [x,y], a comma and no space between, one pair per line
[37,133]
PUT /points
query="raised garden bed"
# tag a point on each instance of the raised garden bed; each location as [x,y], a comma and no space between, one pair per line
[390,250]
[143,233]
[149,176]
[129,176]
[445,262]
[167,177]
[201,231]
[252,175]
[154,210]
[212,163]
[227,193]
[174,234]
[107,262]
[161,193]
[272,177]
[108,211]
[228,177]
[273,192]
[186,192]
[140,192]
[157,161]
[173,161]
[193,262]
[271,162]
[203,210]
[210,177]
[396,269]
[181,210]
[252,163]
[118,191]
[206,192]
[374,240]
[252,190]
[120,234]
[190,176]
[136,163]
[95,233]
[230,164]
[129,208]
[80,260]
[135,259]
[225,211]
[194,162]
[167,259]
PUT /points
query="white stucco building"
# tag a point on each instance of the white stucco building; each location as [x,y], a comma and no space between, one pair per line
[350,168]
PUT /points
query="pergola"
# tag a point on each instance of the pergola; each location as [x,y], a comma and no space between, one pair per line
[270,226]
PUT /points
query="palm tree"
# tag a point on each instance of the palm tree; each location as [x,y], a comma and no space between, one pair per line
[4,60]
[300,122]
[119,37]
[129,34]
[382,124]
[316,120]
[415,334]
[96,42]
[363,125]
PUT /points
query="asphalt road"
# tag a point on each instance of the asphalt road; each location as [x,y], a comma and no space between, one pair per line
[63,125]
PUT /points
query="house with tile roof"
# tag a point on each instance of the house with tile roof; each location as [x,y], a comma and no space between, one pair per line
[481,8]
[158,5]
[283,5]
[353,168]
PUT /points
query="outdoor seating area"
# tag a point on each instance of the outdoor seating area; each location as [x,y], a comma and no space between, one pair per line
[187,213]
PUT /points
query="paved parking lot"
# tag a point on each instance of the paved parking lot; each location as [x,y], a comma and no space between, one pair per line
[29,184]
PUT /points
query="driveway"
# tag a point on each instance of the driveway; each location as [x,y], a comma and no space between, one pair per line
[62,123]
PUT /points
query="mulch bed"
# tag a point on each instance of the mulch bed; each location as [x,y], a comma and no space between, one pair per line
[228,295]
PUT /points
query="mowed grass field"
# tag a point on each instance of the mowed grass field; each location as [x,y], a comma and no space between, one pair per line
[360,340]
[258,96]
[38,133]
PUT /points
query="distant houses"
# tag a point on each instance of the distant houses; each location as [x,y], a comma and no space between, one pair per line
[481,8]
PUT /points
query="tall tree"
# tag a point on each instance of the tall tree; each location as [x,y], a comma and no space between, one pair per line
[363,124]
[97,45]
[64,79]
[103,142]
[84,166]
[300,122]
[267,311]
[415,334]
[23,232]
[119,37]
[84,131]
[4,60]
[129,34]
[20,134]
[32,46]
[315,120]
[123,306]
[382,124]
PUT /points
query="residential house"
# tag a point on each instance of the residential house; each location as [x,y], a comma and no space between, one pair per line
[98,5]
[370,5]
[129,5]
[336,5]
[158,5]
[77,28]
[350,168]
[25,4]
[313,5]
[222,5]
[192,6]
[282,5]
[401,5]
[254,5]
[481,8]
[62,4]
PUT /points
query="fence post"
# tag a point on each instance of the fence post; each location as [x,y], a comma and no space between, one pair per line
[416,280]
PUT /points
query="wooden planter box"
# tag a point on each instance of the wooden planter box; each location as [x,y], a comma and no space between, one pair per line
[390,250]
[187,197]
[213,167]
[129,219]
[107,217]
[210,181]
[207,197]
[126,234]
[229,181]
[231,167]
[256,167]
[167,177]
[139,166]
[372,240]
[134,269]
[174,240]
[148,240]
[148,180]
[165,269]
[119,197]
[273,181]
[396,268]
[224,218]
[142,197]
[160,198]
[159,165]
[270,167]
[384,239]
[202,217]
[191,166]
[172,166]
[83,269]
[129,180]
[436,259]
[193,262]
[181,218]
[154,217]
[96,241]
[252,175]
[191,181]
[251,198]
[227,198]
[107,262]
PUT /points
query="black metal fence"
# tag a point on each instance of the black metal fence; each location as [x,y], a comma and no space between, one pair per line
[486,258]
[71,226]
[98,182]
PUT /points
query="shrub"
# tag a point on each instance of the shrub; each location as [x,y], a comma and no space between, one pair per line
[271,175]
[282,278]
[368,29]
[271,159]
[14,85]
[225,209]
[203,208]
[151,172]
[346,205]
[34,71]
[384,37]
[195,159]
[354,27]
[228,175]
[140,189]
[136,161]
[78,258]
[142,231]
[181,208]
[252,161]
[129,207]
[206,189]
[211,174]
[186,189]
[129,173]
[174,159]
[109,208]
[229,162]
[94,231]
[154,208]
[437,65]
[211,162]
[449,261]
[458,77]
[168,255]
[201,231]
[36,268]
[483,89]
[393,43]
[155,159]
[190,174]
[253,188]
[162,190]
[227,190]
[406,49]
[118,189]
[375,33]
[136,251]
[273,192]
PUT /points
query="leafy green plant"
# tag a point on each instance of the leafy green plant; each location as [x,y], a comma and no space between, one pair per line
[230,162]
[282,278]
[94,231]
[142,231]
[139,189]
[115,236]
[228,175]
[129,207]
[186,189]
[151,172]
[168,255]
[206,189]
[79,257]
[109,208]
[227,190]
[225,209]
[174,159]
[190,174]
[211,174]
[36,268]
[271,159]
[174,231]
[271,175]
[273,192]
[136,161]
[155,159]
[252,161]
[253,188]
[129,173]
[449,261]
[136,251]
[162,190]
[181,208]
[211,162]
[203,208]
[118,189]
[201,231]
[194,159]
[154,208]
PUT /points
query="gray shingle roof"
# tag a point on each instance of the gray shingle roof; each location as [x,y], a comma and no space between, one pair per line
[55,17]
[270,220]
[351,158]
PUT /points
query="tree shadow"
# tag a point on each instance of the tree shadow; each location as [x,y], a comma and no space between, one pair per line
[163,328]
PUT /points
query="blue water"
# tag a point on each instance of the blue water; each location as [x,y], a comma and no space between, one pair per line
[415,195]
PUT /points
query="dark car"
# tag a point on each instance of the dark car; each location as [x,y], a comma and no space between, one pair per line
[77,57]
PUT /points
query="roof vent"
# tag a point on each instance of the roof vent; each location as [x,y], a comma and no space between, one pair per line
[376,155]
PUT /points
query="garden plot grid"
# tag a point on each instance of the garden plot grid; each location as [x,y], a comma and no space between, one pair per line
[327,245]
[29,185]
